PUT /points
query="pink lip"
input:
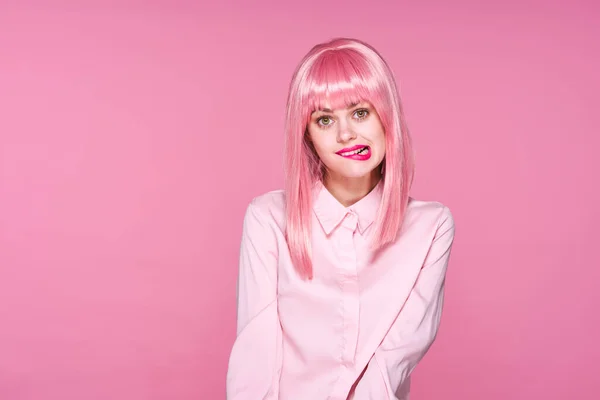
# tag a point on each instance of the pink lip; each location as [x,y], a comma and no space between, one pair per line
[358,146]
[360,157]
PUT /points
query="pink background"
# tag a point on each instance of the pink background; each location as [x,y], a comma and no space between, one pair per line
[133,135]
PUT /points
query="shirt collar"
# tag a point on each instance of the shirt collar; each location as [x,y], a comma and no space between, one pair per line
[330,212]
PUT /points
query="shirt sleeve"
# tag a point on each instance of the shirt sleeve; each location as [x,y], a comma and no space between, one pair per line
[255,360]
[387,376]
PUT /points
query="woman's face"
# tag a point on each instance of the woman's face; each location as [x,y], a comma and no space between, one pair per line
[350,142]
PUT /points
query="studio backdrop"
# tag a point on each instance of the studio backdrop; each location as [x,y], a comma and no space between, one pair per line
[134,134]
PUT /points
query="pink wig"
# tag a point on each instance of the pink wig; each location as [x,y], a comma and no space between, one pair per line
[342,72]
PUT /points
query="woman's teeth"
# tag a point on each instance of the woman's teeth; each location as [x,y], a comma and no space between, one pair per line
[364,150]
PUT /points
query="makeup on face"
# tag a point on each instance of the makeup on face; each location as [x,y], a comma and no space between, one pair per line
[359,152]
[350,141]
[358,114]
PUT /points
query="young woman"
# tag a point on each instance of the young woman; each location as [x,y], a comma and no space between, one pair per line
[341,275]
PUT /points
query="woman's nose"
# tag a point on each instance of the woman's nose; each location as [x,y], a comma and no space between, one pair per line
[345,133]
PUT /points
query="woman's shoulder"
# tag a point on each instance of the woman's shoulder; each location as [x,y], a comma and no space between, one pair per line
[431,206]
[269,205]
[435,212]
[268,201]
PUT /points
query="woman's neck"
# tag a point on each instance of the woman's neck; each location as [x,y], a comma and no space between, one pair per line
[350,190]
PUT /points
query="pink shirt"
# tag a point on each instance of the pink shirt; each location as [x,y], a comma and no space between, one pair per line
[362,321]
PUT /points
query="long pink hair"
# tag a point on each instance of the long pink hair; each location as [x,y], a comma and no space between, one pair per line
[341,72]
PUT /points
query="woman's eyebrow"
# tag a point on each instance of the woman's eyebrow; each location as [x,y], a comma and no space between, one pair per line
[329,110]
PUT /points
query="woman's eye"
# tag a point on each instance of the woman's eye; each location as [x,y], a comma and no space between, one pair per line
[361,113]
[324,121]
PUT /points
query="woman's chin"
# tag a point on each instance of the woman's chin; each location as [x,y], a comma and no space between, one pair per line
[355,174]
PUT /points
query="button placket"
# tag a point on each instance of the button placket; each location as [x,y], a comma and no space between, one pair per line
[349,285]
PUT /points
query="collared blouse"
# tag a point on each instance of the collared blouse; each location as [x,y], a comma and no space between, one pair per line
[357,329]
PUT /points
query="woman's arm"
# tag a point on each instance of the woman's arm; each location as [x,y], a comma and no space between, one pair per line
[416,327]
[255,361]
